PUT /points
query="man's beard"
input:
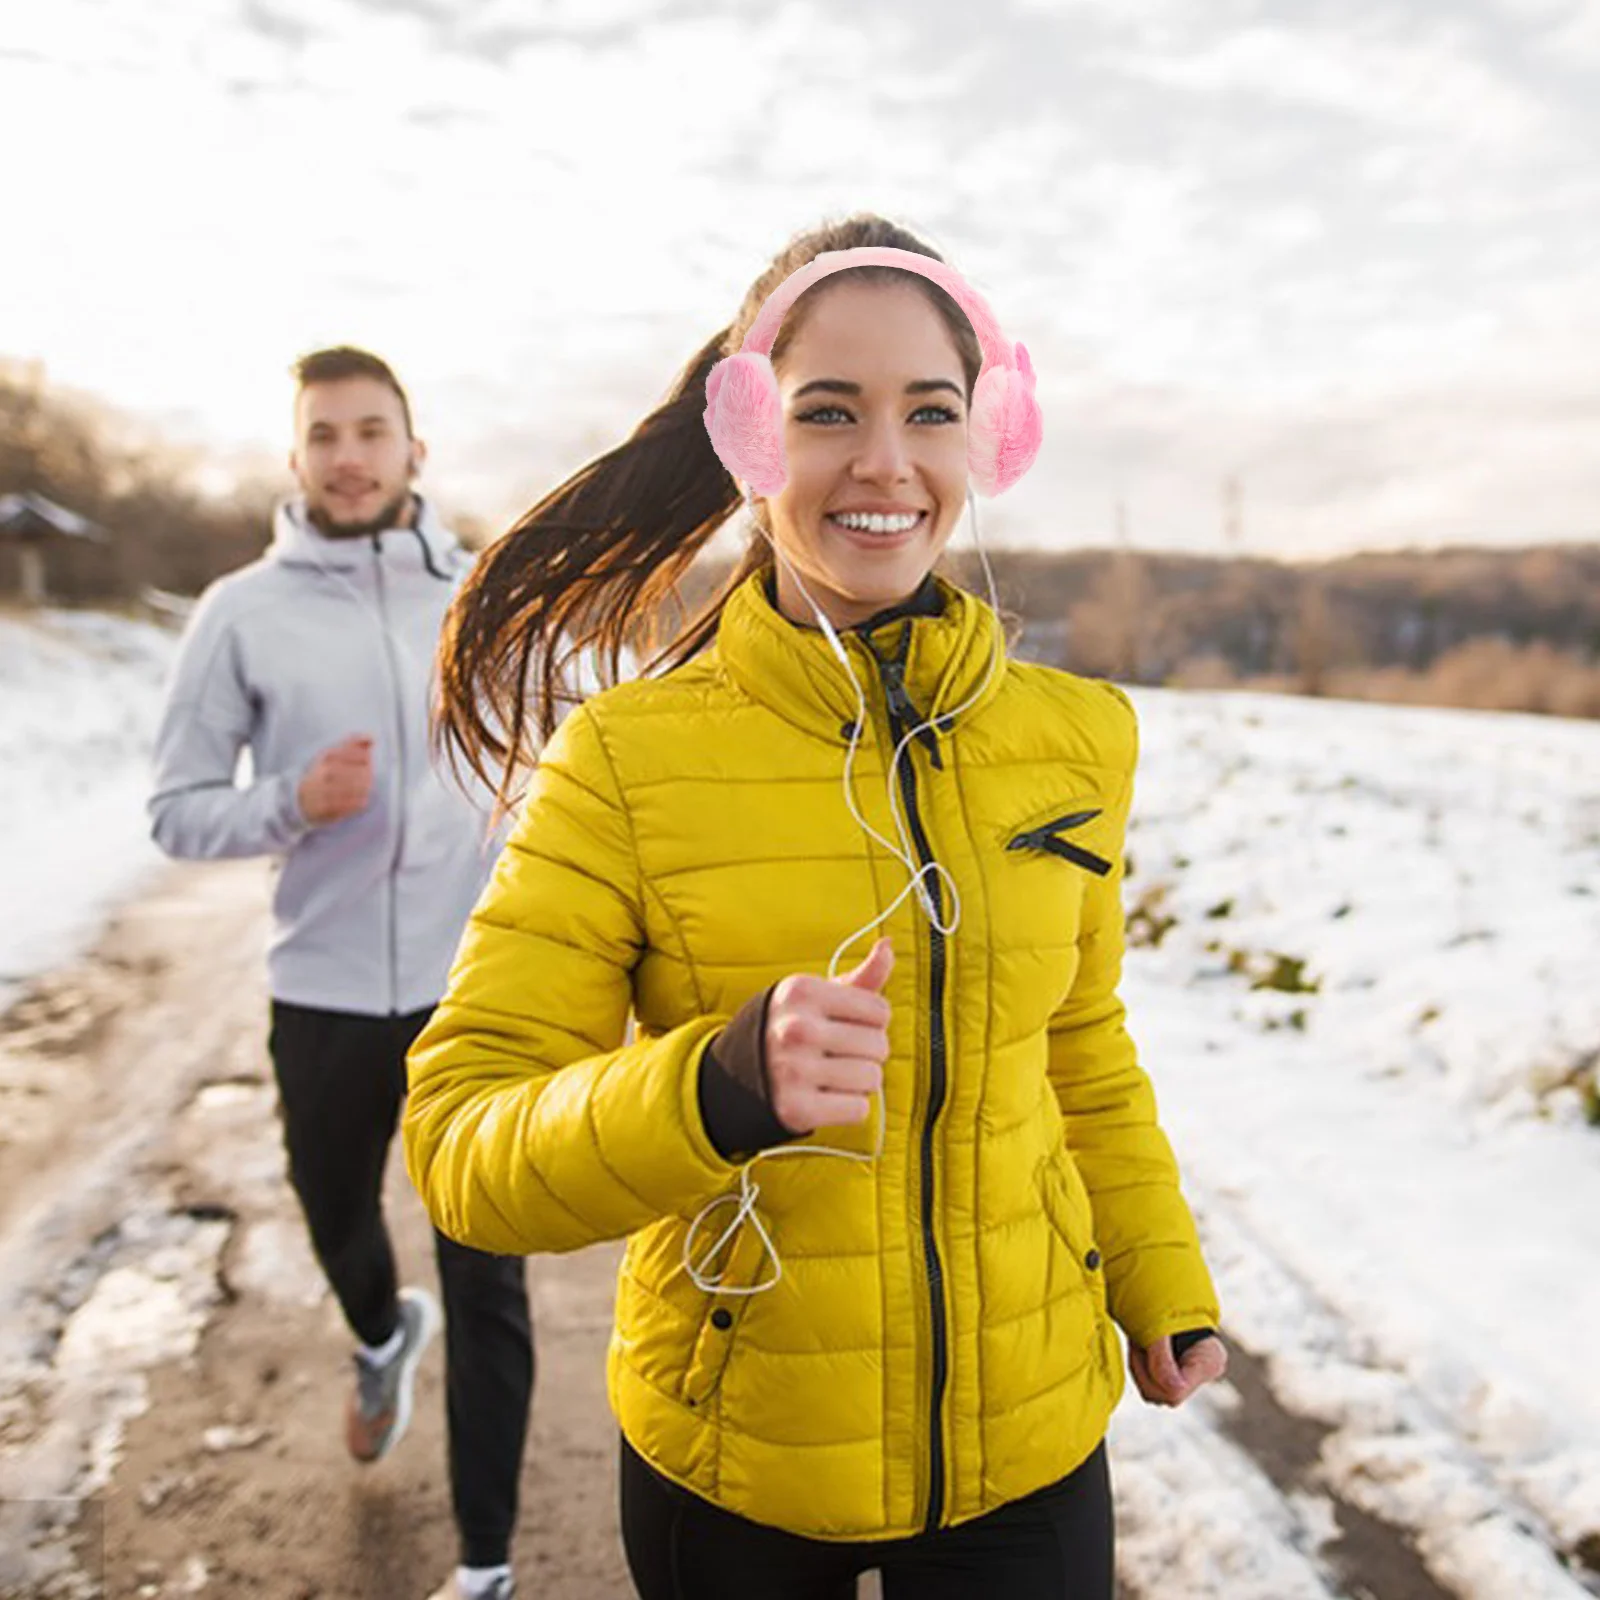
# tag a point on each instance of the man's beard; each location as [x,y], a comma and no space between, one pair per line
[388,518]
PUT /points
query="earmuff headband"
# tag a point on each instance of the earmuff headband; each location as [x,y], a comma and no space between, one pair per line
[744,414]
[763,334]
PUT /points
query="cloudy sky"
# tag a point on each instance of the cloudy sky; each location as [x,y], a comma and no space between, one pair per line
[1343,252]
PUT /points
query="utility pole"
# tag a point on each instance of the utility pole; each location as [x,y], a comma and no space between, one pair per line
[1127,598]
[1232,514]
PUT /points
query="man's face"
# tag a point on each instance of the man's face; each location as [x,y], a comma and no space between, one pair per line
[353,457]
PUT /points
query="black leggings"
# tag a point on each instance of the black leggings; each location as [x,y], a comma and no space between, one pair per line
[341,1081]
[1055,1544]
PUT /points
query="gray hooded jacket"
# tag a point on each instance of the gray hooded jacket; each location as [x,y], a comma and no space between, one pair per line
[318,640]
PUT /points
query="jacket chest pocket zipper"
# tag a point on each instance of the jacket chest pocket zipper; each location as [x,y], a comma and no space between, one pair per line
[1046,836]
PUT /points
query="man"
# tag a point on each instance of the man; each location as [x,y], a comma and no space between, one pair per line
[317,659]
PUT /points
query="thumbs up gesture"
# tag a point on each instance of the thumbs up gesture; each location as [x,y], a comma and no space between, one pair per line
[826,1042]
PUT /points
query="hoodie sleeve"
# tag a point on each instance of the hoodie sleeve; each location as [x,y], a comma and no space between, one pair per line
[1156,1277]
[530,1124]
[198,811]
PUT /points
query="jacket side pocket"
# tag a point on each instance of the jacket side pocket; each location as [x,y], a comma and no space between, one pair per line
[724,1314]
[1072,1220]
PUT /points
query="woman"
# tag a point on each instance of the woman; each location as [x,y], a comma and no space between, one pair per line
[879,1225]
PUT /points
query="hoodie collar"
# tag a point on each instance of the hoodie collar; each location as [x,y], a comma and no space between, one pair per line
[793,670]
[427,544]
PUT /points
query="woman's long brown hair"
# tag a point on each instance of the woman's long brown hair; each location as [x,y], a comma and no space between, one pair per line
[588,573]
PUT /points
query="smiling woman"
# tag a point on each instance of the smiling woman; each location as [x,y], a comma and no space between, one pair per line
[592,561]
[898,1348]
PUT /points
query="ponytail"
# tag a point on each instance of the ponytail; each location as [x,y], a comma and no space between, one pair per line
[575,581]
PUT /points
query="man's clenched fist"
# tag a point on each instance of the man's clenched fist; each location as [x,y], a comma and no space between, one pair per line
[339,782]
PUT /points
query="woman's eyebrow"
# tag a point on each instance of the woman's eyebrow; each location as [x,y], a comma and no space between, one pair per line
[827,386]
[841,386]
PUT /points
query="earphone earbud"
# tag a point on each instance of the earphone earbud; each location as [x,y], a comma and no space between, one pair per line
[744,412]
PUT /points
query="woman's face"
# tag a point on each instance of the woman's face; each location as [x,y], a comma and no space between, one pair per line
[875,426]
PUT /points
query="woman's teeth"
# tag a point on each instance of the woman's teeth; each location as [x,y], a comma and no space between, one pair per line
[872,522]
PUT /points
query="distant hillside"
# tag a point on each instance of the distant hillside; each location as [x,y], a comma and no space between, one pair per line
[1514,629]
[1506,629]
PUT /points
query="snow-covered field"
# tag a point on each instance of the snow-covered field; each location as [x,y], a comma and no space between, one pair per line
[1399,1189]
[1366,979]
[79,696]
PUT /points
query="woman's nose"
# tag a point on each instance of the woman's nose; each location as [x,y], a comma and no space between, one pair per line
[884,456]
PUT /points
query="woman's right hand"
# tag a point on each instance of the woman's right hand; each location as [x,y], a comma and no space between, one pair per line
[826,1042]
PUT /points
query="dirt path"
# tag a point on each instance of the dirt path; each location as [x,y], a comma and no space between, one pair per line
[171,1371]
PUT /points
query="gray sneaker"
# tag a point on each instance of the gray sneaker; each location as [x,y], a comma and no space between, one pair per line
[379,1409]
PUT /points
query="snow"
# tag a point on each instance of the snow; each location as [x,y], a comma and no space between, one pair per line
[1390,1160]
[80,693]
[1195,1517]
[150,1310]
[1398,1189]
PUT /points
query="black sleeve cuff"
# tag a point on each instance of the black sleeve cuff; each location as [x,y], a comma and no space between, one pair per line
[1183,1343]
[738,1117]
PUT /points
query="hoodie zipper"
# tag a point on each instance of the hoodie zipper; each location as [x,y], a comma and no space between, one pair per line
[400,771]
[902,718]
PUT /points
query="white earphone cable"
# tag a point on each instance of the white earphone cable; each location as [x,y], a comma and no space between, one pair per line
[703,1269]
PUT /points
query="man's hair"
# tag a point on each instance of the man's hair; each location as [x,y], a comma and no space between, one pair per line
[342,361]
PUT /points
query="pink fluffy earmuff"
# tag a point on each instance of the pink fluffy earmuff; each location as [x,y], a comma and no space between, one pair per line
[744,414]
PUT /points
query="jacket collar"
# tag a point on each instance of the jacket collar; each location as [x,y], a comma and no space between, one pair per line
[427,544]
[793,671]
[927,601]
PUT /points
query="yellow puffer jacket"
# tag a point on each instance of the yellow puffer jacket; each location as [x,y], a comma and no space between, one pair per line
[939,1341]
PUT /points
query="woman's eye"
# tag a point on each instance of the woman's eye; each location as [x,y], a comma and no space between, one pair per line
[832,416]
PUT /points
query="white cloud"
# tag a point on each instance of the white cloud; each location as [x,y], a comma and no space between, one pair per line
[1225,243]
[1389,78]
[1576,38]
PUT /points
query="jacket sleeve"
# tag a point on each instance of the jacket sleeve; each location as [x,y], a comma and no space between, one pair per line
[1156,1278]
[198,811]
[530,1124]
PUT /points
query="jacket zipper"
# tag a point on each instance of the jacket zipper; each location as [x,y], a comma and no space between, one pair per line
[1045,837]
[902,718]
[400,770]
